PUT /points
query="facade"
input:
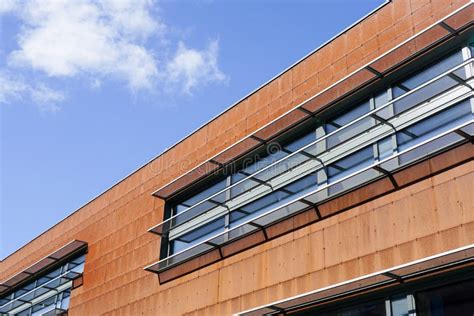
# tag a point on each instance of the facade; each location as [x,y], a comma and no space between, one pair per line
[343,186]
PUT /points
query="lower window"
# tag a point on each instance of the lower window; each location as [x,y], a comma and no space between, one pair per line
[448,300]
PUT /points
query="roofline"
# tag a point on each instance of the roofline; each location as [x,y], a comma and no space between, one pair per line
[203,125]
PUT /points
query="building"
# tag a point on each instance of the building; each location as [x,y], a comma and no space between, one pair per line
[343,186]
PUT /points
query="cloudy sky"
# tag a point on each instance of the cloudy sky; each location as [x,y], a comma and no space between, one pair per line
[90,90]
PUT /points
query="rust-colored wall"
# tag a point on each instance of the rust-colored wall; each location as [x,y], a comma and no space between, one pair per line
[429,217]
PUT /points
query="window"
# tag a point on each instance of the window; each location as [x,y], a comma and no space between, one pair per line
[339,152]
[452,299]
[48,293]
[457,299]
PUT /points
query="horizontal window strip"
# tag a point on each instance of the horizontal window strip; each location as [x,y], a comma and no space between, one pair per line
[306,159]
[43,288]
[255,228]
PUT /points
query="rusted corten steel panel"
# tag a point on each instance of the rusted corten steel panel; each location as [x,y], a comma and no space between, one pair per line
[425,218]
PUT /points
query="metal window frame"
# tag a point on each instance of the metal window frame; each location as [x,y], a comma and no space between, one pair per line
[214,213]
[66,272]
[163,264]
[371,136]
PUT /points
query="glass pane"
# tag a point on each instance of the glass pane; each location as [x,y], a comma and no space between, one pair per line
[428,148]
[233,234]
[385,147]
[265,161]
[65,303]
[457,299]
[301,142]
[376,308]
[203,231]
[352,114]
[424,94]
[345,119]
[350,163]
[204,194]
[242,187]
[381,98]
[434,125]
[280,213]
[400,306]
[349,132]
[282,167]
[192,212]
[434,70]
[26,312]
[354,181]
[184,255]
[469,129]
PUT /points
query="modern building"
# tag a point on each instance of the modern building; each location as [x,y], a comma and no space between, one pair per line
[343,186]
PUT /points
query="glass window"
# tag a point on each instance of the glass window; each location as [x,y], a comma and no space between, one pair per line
[199,234]
[385,147]
[45,292]
[435,124]
[422,77]
[400,305]
[201,195]
[376,308]
[434,70]
[457,299]
[243,186]
[424,94]
[265,161]
[357,140]
[301,142]
[345,119]
[350,163]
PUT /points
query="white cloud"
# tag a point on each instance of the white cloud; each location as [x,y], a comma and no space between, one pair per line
[70,38]
[102,40]
[14,89]
[46,97]
[8,6]
[195,67]
[10,89]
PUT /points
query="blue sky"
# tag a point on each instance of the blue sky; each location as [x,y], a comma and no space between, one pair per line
[90,91]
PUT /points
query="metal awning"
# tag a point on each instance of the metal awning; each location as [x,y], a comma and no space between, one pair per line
[392,276]
[386,63]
